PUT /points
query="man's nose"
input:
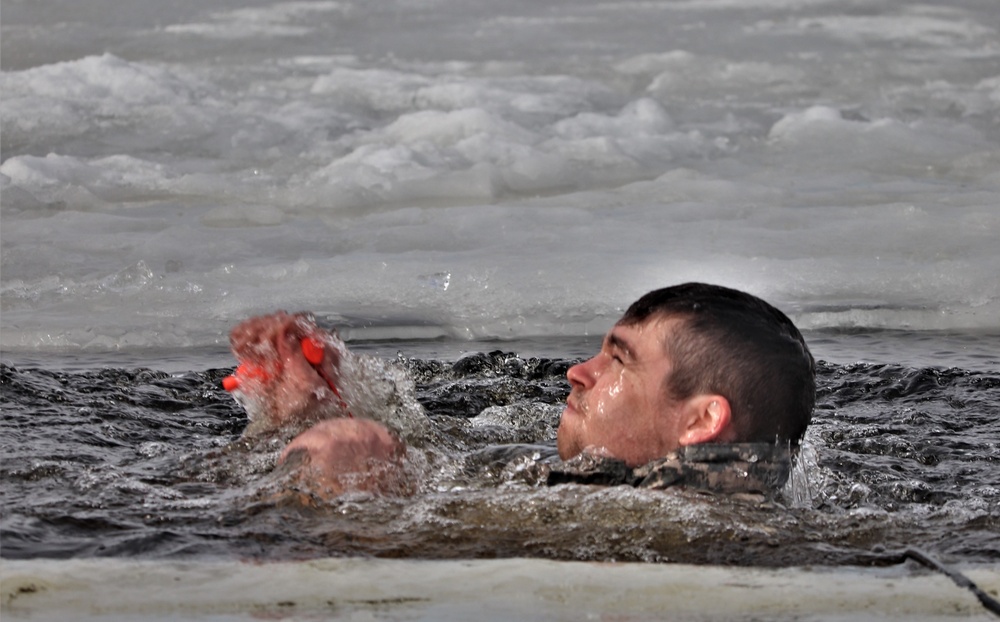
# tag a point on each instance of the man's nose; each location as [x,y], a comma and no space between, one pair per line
[583,375]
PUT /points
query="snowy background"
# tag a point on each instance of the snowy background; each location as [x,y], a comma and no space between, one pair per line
[472,169]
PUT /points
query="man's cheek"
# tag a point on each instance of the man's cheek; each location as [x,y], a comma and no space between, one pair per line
[605,407]
[616,389]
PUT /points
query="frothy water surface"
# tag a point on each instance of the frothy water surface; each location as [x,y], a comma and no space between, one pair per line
[454,177]
[143,463]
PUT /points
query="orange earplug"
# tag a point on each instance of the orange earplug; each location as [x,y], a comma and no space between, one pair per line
[244,371]
[312,349]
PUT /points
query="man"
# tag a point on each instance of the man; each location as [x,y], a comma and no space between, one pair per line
[693,366]
[692,379]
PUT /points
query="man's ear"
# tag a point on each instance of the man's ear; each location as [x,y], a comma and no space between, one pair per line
[708,418]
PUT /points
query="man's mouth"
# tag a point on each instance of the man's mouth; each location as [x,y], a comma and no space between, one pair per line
[573,403]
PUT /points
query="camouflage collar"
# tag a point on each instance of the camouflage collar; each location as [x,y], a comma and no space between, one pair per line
[760,468]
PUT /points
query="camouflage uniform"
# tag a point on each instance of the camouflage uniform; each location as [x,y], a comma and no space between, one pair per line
[756,468]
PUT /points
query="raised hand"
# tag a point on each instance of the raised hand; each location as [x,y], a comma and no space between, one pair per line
[341,455]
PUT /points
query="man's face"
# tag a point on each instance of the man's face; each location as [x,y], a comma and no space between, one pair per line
[618,405]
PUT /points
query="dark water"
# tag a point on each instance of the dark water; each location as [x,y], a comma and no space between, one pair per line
[131,462]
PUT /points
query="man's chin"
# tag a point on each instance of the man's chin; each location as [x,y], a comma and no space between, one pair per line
[566,453]
[566,441]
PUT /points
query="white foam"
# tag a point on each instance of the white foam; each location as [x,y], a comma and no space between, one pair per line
[96,94]
[709,5]
[270,21]
[926,25]
[679,73]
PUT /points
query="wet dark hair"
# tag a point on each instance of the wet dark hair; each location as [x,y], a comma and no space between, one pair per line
[736,345]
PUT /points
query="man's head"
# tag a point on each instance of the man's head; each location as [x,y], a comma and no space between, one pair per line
[690,364]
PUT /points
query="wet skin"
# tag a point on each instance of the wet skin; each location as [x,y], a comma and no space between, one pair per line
[287,378]
[339,455]
[618,405]
[275,381]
